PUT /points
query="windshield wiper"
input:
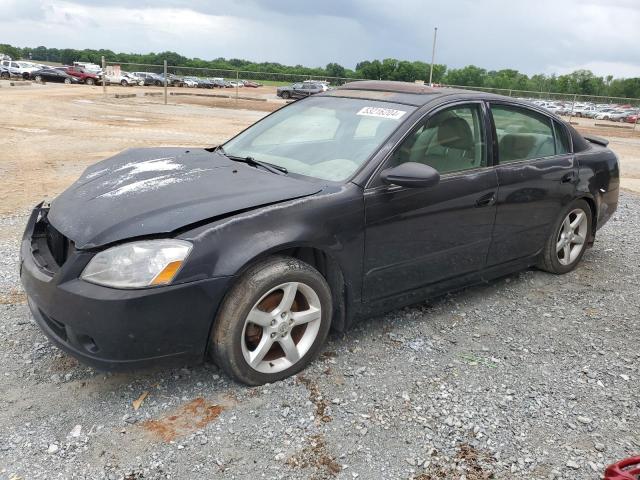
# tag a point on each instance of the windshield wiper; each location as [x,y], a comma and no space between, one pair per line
[252,161]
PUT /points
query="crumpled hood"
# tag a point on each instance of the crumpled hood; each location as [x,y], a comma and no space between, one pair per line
[158,190]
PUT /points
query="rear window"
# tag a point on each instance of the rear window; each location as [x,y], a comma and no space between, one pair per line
[562,139]
[523,134]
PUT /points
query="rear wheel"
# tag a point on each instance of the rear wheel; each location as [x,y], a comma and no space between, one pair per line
[286,95]
[273,321]
[566,245]
[124,83]
[38,78]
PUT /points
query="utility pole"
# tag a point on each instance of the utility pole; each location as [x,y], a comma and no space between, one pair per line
[104,78]
[433,55]
[164,64]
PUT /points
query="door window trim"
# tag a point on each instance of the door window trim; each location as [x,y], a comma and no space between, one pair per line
[373,184]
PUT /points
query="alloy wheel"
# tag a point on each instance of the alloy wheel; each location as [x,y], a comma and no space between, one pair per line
[281,327]
[572,236]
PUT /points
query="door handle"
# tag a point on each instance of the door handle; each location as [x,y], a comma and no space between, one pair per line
[486,200]
[568,177]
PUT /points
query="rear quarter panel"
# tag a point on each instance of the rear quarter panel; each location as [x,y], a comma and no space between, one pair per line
[599,180]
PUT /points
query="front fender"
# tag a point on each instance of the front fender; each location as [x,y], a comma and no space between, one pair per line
[332,222]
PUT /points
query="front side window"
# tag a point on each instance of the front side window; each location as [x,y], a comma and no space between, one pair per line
[522,134]
[322,137]
[452,140]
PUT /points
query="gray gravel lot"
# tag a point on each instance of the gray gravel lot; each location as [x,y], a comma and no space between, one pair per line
[531,376]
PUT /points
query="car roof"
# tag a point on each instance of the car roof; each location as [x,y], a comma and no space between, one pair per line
[407,93]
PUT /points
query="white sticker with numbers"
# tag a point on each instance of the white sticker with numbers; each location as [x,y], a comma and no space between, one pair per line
[381,112]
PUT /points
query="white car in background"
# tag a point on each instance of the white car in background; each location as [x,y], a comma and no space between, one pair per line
[18,68]
[605,114]
[583,110]
[323,84]
[125,79]
[190,82]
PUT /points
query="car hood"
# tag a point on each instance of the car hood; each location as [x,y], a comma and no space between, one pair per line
[159,190]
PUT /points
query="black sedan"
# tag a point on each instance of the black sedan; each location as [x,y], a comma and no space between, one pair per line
[53,75]
[332,209]
[299,90]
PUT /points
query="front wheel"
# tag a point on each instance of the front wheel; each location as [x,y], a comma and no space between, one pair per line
[273,321]
[286,95]
[90,81]
[568,242]
[38,78]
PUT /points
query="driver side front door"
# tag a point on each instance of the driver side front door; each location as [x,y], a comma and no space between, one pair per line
[419,236]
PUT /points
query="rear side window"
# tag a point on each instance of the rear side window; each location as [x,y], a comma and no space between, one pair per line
[562,139]
[522,134]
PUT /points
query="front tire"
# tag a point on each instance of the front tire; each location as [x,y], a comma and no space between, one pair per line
[273,322]
[566,245]
[90,81]
[286,95]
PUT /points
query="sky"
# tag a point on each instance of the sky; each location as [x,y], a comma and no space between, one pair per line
[532,36]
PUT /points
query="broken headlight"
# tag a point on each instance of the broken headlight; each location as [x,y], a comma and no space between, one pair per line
[146,263]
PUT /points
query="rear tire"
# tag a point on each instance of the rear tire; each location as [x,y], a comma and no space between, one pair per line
[38,78]
[124,83]
[286,95]
[272,322]
[568,241]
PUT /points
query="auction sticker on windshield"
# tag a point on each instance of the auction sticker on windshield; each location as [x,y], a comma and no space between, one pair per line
[381,112]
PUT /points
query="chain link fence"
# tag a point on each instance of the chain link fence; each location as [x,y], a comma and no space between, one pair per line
[228,83]
[555,97]
[237,84]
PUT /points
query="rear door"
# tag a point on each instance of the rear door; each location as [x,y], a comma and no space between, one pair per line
[537,175]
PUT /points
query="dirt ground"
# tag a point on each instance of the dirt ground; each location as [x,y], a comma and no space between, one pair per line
[50,133]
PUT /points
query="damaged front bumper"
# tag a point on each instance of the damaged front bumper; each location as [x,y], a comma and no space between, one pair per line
[111,328]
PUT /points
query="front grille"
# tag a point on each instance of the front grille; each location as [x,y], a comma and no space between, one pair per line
[49,247]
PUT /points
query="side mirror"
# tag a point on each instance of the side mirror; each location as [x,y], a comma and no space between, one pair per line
[411,175]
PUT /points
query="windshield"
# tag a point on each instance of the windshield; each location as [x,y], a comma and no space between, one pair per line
[322,137]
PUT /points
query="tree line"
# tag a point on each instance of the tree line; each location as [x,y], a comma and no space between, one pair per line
[582,82]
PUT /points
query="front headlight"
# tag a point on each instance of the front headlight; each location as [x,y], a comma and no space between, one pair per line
[146,263]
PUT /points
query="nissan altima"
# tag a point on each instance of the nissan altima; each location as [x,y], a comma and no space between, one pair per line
[343,205]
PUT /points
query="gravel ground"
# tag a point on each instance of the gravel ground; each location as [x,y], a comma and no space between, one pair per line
[532,376]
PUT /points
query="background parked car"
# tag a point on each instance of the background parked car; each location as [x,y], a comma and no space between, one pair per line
[20,69]
[150,78]
[53,75]
[84,76]
[220,83]
[190,82]
[123,78]
[299,90]
[172,80]
[322,83]
[204,83]
[251,84]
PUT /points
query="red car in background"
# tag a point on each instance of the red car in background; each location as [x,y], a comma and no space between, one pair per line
[634,118]
[85,77]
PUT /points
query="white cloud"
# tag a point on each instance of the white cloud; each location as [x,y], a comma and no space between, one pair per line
[532,36]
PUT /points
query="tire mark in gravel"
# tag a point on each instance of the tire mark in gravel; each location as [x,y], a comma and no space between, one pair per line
[316,456]
[316,398]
